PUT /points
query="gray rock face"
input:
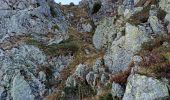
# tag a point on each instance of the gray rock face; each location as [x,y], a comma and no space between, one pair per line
[165,5]
[21,89]
[117,90]
[87,27]
[104,79]
[105,33]
[99,9]
[32,17]
[140,87]
[90,77]
[167,20]
[98,66]
[156,25]
[121,52]
[1,92]
[24,60]
[81,71]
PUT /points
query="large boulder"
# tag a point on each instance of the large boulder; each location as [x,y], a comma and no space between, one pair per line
[25,60]
[21,89]
[105,33]
[165,5]
[36,17]
[121,52]
[156,25]
[140,87]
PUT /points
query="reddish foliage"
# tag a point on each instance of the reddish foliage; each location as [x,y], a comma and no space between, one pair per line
[121,78]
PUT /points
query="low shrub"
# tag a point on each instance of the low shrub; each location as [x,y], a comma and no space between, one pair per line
[156,58]
[121,78]
[62,48]
[106,97]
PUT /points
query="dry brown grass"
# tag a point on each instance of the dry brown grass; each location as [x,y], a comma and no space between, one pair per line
[79,57]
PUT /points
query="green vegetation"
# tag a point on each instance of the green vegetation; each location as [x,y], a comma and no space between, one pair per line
[107,97]
[72,4]
[80,91]
[56,49]
[56,27]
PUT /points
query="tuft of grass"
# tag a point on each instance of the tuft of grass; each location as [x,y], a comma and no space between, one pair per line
[62,48]
[107,96]
[56,27]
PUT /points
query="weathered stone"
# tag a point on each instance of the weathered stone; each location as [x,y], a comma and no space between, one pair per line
[1,91]
[165,5]
[98,66]
[156,25]
[104,79]
[31,17]
[21,89]
[120,10]
[140,87]
[117,90]
[42,76]
[90,78]
[167,18]
[81,71]
[104,34]
[121,52]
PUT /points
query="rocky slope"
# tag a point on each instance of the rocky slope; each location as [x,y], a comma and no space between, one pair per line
[97,50]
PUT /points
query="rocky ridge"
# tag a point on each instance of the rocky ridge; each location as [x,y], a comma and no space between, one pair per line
[97,50]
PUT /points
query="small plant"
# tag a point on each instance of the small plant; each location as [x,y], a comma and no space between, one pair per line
[56,27]
[106,97]
[72,4]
